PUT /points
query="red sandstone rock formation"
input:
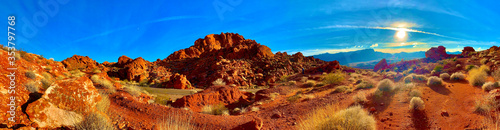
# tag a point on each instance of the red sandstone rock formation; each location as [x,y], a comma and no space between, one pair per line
[435,54]
[80,62]
[213,95]
[381,65]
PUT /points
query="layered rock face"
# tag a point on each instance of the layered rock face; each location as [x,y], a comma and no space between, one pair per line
[79,62]
[228,45]
[382,64]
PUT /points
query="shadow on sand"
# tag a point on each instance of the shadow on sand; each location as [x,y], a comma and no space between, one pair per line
[440,89]
[420,120]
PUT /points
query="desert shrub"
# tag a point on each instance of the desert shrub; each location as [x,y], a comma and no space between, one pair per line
[340,89]
[46,83]
[218,109]
[329,118]
[103,83]
[333,78]
[48,68]
[459,66]
[310,83]
[490,86]
[294,98]
[284,78]
[219,82]
[484,61]
[496,75]
[415,93]
[95,121]
[175,122]
[359,98]
[438,68]
[385,85]
[103,105]
[420,78]
[482,107]
[30,74]
[254,109]
[416,103]
[444,76]
[31,87]
[364,85]
[76,73]
[434,81]
[408,78]
[132,90]
[469,67]
[457,76]
[292,82]
[477,77]
[162,99]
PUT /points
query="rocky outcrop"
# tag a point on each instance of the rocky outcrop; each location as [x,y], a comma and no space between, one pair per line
[64,103]
[381,65]
[226,95]
[122,61]
[80,62]
[467,50]
[228,45]
[178,81]
[435,54]
[136,70]
[327,67]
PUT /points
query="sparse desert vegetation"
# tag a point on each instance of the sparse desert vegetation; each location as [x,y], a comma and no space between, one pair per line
[330,117]
[477,76]
[457,76]
[416,103]
[434,81]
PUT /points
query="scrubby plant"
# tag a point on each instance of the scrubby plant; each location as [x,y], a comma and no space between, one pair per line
[364,85]
[30,74]
[408,78]
[31,86]
[385,85]
[329,118]
[457,76]
[254,109]
[76,73]
[294,98]
[46,83]
[438,68]
[340,89]
[103,83]
[162,99]
[132,90]
[359,98]
[496,75]
[219,82]
[416,103]
[444,76]
[415,93]
[469,67]
[292,82]
[333,78]
[309,83]
[95,121]
[477,76]
[434,81]
[490,86]
[103,105]
[484,61]
[175,122]
[482,107]
[459,66]
[218,109]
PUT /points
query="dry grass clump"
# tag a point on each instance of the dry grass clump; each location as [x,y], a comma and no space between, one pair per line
[132,90]
[359,98]
[385,85]
[254,109]
[76,73]
[309,83]
[175,122]
[415,93]
[420,78]
[496,75]
[457,76]
[434,81]
[95,121]
[219,82]
[333,78]
[477,76]
[32,87]
[30,74]
[329,118]
[341,89]
[416,103]
[490,86]
[364,85]
[292,82]
[482,107]
[444,76]
[103,83]
[103,105]
[218,109]
[408,78]
[46,83]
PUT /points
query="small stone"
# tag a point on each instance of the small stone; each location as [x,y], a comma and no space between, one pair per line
[445,113]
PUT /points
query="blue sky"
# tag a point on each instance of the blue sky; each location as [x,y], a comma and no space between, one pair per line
[105,30]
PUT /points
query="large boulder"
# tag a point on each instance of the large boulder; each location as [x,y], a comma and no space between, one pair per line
[225,95]
[79,62]
[64,103]
[136,70]
[381,65]
[467,50]
[327,67]
[179,81]
[123,60]
[435,54]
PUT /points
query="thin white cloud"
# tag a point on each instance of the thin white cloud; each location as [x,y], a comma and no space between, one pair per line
[374,45]
[383,28]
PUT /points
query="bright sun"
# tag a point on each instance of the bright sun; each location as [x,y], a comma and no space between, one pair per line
[401,34]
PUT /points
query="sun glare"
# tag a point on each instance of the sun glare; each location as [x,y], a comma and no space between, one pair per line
[401,34]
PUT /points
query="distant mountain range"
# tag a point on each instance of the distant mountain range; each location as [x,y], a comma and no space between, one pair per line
[367,58]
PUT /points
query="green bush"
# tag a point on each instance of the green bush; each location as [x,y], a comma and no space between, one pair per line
[333,78]
[385,85]
[438,68]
